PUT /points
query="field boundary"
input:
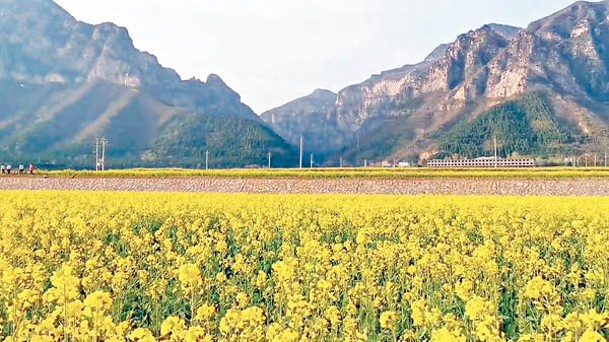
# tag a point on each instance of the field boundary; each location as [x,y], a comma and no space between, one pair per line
[410,186]
[344,173]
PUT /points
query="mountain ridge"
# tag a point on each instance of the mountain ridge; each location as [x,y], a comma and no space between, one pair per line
[64,82]
[403,113]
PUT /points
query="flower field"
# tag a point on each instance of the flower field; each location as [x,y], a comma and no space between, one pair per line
[84,266]
[338,173]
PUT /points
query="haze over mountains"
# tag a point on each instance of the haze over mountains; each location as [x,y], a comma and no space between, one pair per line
[550,79]
[541,91]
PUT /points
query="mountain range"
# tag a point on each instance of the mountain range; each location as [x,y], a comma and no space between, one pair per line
[64,82]
[539,91]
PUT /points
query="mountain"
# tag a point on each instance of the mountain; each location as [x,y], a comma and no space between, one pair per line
[64,82]
[554,73]
[526,126]
[506,31]
[310,116]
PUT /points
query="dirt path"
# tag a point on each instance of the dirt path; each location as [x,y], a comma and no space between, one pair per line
[536,187]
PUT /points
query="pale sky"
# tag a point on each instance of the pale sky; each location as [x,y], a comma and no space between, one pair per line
[273,51]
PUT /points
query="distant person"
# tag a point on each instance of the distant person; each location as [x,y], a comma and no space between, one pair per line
[9,167]
[21,169]
[3,168]
[31,169]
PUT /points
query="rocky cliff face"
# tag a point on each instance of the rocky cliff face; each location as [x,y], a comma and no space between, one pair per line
[443,75]
[577,42]
[411,92]
[63,82]
[41,43]
[564,56]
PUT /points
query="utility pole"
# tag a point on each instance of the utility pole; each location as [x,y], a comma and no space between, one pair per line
[595,160]
[97,165]
[311,161]
[207,160]
[103,141]
[103,155]
[341,162]
[301,151]
[269,155]
[495,143]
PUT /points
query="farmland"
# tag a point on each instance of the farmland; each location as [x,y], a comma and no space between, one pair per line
[396,181]
[560,186]
[118,266]
[349,173]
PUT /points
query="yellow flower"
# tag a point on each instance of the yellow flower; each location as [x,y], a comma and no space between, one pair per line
[116,266]
[98,302]
[242,300]
[444,335]
[197,334]
[190,277]
[141,335]
[206,313]
[332,314]
[388,320]
[221,277]
[595,320]
[551,323]
[419,310]
[464,290]
[174,327]
[543,292]
[592,336]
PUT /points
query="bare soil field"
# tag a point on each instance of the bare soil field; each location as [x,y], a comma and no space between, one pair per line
[448,186]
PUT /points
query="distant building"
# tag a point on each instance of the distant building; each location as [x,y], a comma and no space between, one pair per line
[386,164]
[483,162]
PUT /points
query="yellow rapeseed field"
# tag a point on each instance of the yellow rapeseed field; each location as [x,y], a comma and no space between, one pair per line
[80,266]
[337,173]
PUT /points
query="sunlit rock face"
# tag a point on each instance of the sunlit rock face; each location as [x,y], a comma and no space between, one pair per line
[564,56]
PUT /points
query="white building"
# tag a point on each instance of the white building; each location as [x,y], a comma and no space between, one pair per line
[483,162]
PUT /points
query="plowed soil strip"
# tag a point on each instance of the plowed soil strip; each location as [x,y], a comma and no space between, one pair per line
[452,186]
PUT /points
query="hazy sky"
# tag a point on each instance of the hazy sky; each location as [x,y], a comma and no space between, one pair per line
[273,51]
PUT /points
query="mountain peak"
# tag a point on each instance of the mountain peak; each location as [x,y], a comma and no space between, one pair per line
[506,31]
[214,79]
[322,93]
[562,23]
[44,8]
